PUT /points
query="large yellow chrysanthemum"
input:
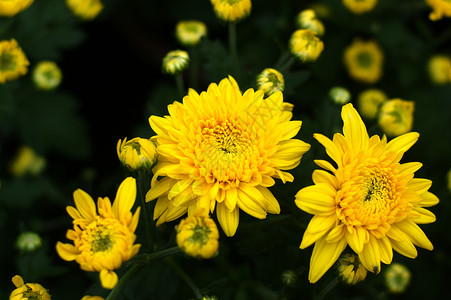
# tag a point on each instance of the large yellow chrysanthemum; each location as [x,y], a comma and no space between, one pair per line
[221,149]
[369,201]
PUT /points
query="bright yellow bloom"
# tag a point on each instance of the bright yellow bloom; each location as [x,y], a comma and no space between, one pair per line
[350,269]
[101,242]
[231,10]
[396,116]
[87,297]
[364,60]
[189,33]
[307,19]
[439,67]
[29,291]
[340,95]
[175,62]
[221,149]
[198,235]
[369,102]
[305,45]
[13,62]
[397,278]
[27,161]
[28,241]
[270,81]
[369,201]
[9,8]
[47,75]
[85,9]
[137,153]
[441,8]
[359,6]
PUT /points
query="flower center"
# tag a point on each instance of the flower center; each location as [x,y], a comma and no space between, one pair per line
[200,235]
[101,240]
[7,62]
[30,294]
[364,59]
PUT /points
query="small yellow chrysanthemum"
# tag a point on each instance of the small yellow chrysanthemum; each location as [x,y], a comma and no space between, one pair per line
[189,33]
[231,10]
[305,45]
[339,95]
[29,291]
[369,201]
[175,62]
[350,269]
[359,6]
[28,242]
[397,278]
[9,8]
[101,242]
[307,19]
[13,62]
[441,8]
[85,9]
[396,116]
[270,81]
[137,153]
[198,235]
[221,150]
[364,60]
[369,102]
[439,68]
[47,75]
[27,161]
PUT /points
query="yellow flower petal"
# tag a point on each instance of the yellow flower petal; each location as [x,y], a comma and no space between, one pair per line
[18,281]
[228,219]
[85,205]
[323,257]
[403,142]
[317,228]
[331,149]
[370,255]
[354,128]
[125,198]
[317,199]
[67,251]
[108,279]
[415,234]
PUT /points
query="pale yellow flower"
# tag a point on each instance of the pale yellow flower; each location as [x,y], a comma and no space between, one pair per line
[439,68]
[305,45]
[363,61]
[369,102]
[359,6]
[175,62]
[85,9]
[13,62]
[440,9]
[396,116]
[47,75]
[397,278]
[9,8]
[137,153]
[307,19]
[30,291]
[189,33]
[270,81]
[27,161]
[231,10]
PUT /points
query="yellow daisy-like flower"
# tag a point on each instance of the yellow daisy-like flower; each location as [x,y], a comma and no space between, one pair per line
[305,45]
[359,6]
[369,201]
[270,81]
[13,62]
[85,9]
[221,149]
[10,8]
[350,269]
[27,161]
[364,60]
[137,153]
[307,19]
[175,62]
[231,10]
[439,68]
[198,236]
[189,33]
[47,75]
[440,9]
[101,242]
[30,291]
[369,102]
[397,278]
[396,116]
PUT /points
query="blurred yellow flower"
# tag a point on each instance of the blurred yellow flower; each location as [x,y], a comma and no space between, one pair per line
[359,6]
[363,61]
[397,278]
[27,161]
[87,297]
[101,242]
[189,33]
[370,201]
[137,153]
[305,45]
[350,270]
[13,62]
[221,150]
[175,62]
[198,235]
[85,9]
[31,291]
[439,68]
[47,75]
[396,116]
[307,19]
[369,102]
[28,241]
[270,81]
[449,180]
[9,8]
[339,95]
[440,9]
[231,10]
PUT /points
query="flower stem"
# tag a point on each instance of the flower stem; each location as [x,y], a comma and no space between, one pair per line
[122,281]
[180,85]
[327,289]
[149,257]
[185,277]
[145,209]
[233,50]
[287,64]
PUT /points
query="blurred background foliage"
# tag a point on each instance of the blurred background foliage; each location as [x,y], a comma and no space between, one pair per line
[112,83]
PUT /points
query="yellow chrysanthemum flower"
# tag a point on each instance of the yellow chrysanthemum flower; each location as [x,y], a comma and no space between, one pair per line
[396,116]
[231,10]
[175,62]
[30,291]
[364,60]
[137,153]
[350,270]
[27,161]
[189,33]
[85,9]
[47,75]
[397,278]
[307,19]
[13,62]
[198,235]
[441,8]
[369,102]
[101,242]
[439,68]
[221,149]
[359,6]
[305,45]
[270,81]
[369,201]
[10,8]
